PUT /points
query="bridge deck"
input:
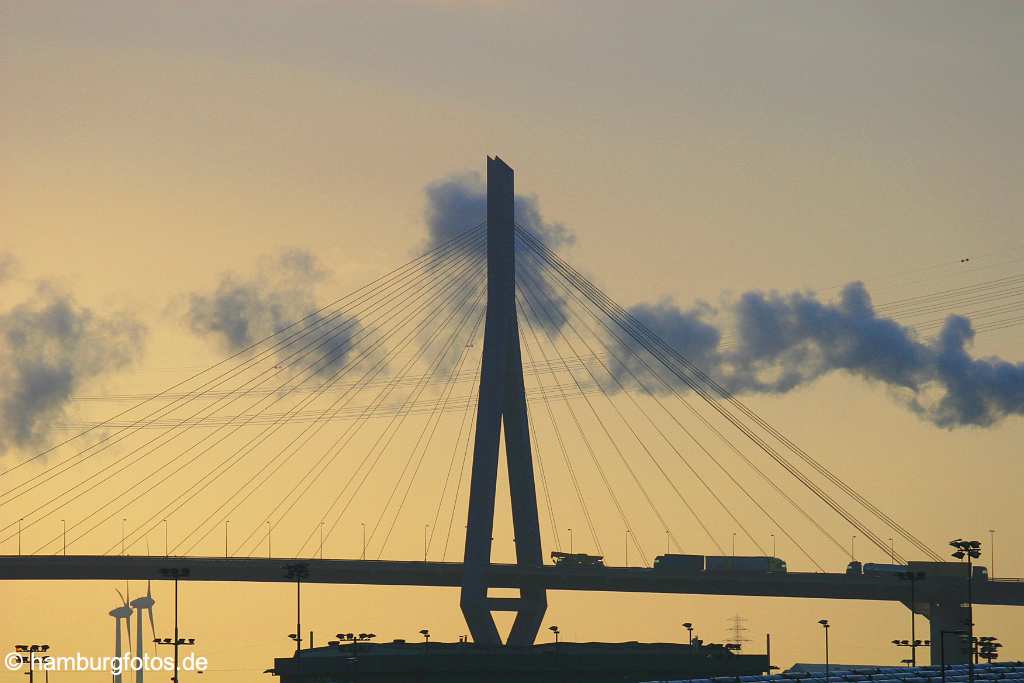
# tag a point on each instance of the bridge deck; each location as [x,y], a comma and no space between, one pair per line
[399,573]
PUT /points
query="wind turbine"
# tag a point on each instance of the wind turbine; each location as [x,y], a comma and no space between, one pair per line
[145,602]
[119,613]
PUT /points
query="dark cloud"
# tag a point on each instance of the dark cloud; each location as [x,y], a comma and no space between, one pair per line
[977,391]
[785,341]
[459,202]
[243,310]
[49,349]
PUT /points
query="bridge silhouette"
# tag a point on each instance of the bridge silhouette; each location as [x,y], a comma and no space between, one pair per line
[580,349]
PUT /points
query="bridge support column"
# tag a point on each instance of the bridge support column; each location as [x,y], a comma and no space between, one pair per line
[947,619]
[502,403]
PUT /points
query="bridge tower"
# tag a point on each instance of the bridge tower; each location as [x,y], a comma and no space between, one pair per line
[501,408]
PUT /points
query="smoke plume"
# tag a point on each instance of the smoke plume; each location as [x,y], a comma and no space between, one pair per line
[459,202]
[785,341]
[241,311]
[49,349]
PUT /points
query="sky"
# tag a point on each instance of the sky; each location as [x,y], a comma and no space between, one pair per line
[157,156]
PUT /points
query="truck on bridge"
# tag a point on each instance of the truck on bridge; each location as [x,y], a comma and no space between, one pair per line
[696,564]
[566,560]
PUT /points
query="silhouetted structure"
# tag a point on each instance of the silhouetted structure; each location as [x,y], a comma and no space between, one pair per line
[502,403]
[433,662]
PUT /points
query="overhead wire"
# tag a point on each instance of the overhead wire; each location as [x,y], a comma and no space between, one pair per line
[437,252]
[611,331]
[308,434]
[627,322]
[615,378]
[311,369]
[577,487]
[339,444]
[533,291]
[86,454]
[396,420]
[623,516]
[451,467]
[436,416]
[232,459]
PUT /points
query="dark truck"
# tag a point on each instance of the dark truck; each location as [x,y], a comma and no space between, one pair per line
[696,564]
[576,560]
[680,564]
[750,565]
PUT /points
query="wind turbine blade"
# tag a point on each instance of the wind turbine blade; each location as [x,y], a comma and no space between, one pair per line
[124,600]
[152,626]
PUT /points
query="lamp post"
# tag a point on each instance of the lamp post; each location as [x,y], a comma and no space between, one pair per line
[30,654]
[992,551]
[64,535]
[166,553]
[123,521]
[825,625]
[942,649]
[554,630]
[913,644]
[689,628]
[987,647]
[913,578]
[298,572]
[363,556]
[226,522]
[972,551]
[176,573]
[852,539]
[773,545]
[355,638]
[176,642]
[426,528]
[570,540]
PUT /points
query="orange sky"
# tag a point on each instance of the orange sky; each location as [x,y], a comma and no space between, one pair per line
[696,150]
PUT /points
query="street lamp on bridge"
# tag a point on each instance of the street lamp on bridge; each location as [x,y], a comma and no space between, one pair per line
[689,627]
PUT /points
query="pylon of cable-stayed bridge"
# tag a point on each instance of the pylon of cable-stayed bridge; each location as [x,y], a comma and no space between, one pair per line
[501,406]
